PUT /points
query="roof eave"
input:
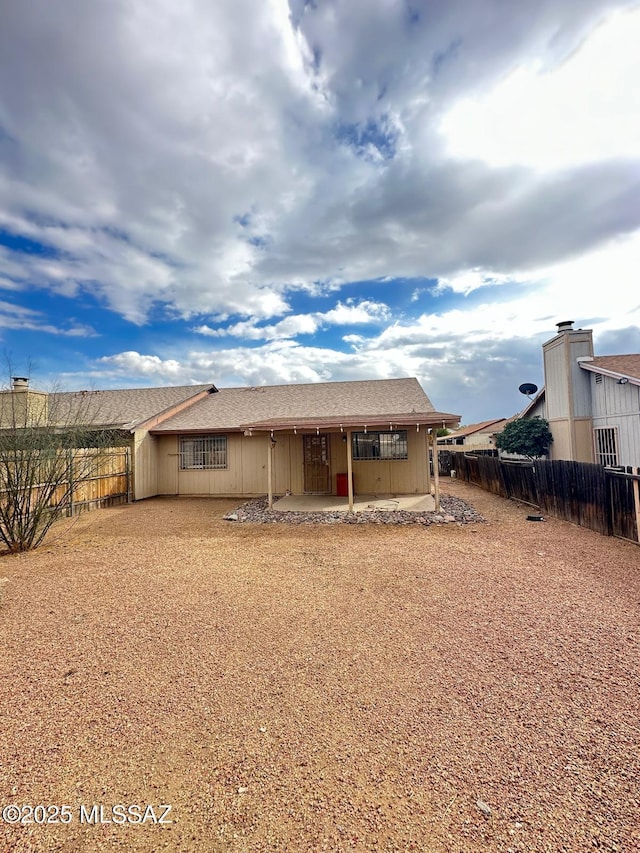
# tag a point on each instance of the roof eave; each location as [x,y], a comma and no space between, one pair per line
[612,374]
[172,410]
[485,426]
[429,419]
[531,404]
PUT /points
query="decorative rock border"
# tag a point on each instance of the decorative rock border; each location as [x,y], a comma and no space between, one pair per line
[452,510]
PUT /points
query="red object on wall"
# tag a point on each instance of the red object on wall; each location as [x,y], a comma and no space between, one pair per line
[342,485]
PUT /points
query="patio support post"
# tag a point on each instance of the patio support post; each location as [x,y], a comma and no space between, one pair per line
[270,471]
[426,441]
[436,474]
[349,471]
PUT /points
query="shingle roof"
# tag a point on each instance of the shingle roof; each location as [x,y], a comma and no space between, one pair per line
[622,365]
[479,427]
[125,408]
[233,408]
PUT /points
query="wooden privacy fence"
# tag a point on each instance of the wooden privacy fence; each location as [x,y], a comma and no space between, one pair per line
[103,479]
[604,499]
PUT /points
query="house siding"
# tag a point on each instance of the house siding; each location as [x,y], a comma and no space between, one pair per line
[539,410]
[395,477]
[246,474]
[618,406]
[555,371]
[568,395]
[481,440]
[565,381]
[145,465]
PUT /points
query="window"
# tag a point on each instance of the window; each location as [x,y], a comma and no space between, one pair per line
[380,445]
[203,452]
[606,446]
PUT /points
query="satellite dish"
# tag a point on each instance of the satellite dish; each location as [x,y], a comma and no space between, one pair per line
[528,388]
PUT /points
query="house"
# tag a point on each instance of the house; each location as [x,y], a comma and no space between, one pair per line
[615,401]
[592,402]
[319,438]
[535,408]
[479,436]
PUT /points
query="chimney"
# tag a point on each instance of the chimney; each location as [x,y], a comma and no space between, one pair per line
[20,383]
[568,392]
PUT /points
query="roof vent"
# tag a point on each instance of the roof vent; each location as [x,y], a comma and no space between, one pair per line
[20,383]
[565,326]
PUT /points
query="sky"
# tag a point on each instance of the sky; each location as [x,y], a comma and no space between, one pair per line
[250,192]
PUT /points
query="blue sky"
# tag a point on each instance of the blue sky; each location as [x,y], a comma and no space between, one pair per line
[262,191]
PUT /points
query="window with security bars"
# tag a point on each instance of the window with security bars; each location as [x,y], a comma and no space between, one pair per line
[202,452]
[380,445]
[606,446]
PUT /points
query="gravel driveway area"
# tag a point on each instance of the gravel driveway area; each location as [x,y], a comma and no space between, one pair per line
[445,687]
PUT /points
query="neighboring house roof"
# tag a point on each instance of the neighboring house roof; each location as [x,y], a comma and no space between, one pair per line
[127,408]
[309,405]
[484,426]
[618,366]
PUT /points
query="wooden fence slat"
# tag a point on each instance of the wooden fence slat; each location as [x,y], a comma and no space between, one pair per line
[581,492]
[108,484]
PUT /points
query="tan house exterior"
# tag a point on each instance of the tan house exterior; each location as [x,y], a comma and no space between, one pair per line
[22,406]
[334,438]
[369,437]
[480,436]
[568,393]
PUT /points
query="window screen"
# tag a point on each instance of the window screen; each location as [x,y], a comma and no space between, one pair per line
[606,446]
[203,452]
[380,445]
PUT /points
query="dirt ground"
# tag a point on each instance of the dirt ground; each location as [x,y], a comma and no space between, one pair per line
[307,688]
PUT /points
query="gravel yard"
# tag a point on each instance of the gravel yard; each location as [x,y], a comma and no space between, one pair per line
[303,687]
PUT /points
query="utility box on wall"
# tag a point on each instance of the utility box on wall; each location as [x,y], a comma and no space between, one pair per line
[342,485]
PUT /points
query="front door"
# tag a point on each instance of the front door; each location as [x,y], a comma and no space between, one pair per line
[317,475]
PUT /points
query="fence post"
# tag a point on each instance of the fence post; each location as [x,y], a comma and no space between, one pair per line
[636,500]
[70,478]
[127,463]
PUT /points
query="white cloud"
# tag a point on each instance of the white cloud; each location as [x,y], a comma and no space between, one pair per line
[470,280]
[290,327]
[585,110]
[348,313]
[205,162]
[133,364]
[220,161]
[25,319]
[352,313]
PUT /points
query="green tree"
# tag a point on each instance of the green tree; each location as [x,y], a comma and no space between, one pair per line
[527,437]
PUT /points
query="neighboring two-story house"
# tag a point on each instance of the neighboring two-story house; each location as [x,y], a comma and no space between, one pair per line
[592,402]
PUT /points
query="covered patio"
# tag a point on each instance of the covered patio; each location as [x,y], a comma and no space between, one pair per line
[414,489]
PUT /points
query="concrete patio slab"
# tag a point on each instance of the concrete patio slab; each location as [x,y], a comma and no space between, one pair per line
[361,503]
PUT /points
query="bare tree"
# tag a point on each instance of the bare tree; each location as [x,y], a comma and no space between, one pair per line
[50,444]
